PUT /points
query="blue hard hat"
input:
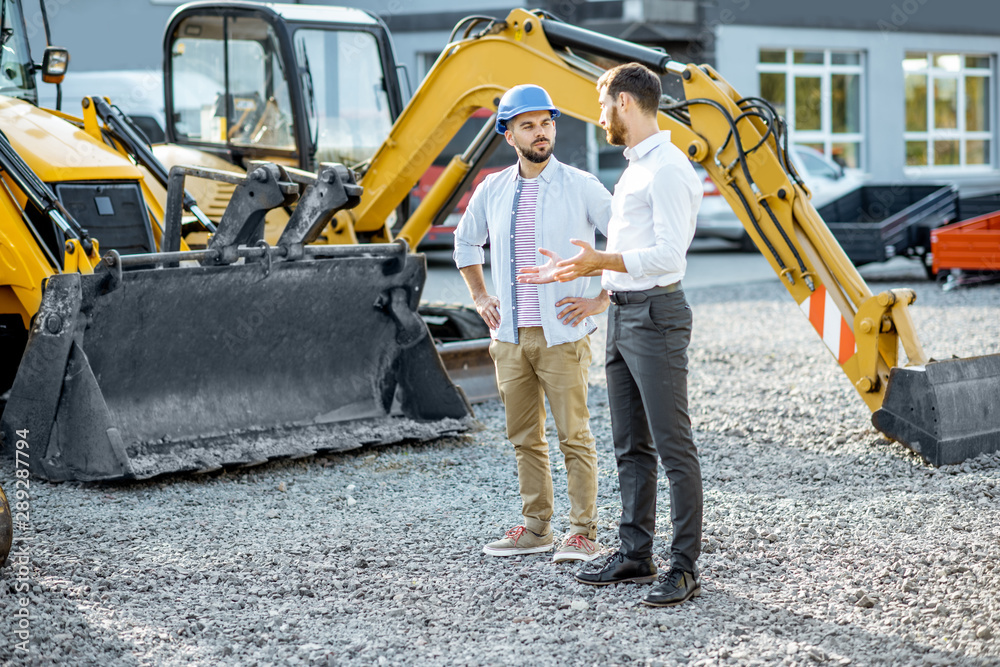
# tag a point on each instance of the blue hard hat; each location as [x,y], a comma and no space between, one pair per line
[522,99]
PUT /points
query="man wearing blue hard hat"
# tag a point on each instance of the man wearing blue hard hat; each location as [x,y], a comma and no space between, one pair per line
[541,333]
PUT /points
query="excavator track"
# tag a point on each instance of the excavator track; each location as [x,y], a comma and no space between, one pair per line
[6,528]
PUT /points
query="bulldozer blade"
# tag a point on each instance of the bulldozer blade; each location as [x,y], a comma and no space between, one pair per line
[947,411]
[161,370]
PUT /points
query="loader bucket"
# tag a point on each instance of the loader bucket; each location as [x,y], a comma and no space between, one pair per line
[158,370]
[946,411]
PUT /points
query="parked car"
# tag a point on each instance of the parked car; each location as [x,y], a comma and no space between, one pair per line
[826,179]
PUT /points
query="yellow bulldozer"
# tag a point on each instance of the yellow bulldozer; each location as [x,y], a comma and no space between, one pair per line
[137,356]
[248,348]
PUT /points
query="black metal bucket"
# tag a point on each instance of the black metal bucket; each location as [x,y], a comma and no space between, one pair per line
[192,368]
[947,411]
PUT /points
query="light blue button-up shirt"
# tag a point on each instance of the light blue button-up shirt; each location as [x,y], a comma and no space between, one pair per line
[571,205]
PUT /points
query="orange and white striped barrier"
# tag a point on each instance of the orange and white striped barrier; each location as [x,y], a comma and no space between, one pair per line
[830,324]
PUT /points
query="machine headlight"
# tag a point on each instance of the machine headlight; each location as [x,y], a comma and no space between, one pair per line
[55,62]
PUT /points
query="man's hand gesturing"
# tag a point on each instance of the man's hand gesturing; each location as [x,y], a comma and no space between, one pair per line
[587,262]
[538,275]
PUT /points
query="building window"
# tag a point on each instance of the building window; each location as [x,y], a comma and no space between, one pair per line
[819,94]
[947,109]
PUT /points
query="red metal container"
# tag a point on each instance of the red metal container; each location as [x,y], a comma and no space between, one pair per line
[972,245]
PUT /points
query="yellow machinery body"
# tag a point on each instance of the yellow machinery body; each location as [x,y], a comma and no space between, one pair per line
[940,409]
[57,151]
[743,155]
[263,300]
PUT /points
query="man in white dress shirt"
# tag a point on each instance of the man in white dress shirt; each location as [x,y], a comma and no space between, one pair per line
[653,215]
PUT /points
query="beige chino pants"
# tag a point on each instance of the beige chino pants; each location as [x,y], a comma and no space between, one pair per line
[528,372]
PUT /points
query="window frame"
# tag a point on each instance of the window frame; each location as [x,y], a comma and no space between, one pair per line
[312,129]
[960,134]
[18,53]
[230,150]
[824,136]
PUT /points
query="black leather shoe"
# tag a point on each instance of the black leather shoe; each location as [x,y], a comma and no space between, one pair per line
[617,568]
[677,587]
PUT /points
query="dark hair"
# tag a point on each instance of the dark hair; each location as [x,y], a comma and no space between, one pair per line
[636,80]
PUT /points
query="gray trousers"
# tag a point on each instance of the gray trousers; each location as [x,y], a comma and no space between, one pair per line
[647,391]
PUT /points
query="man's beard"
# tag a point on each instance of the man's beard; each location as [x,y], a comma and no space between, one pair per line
[535,155]
[616,129]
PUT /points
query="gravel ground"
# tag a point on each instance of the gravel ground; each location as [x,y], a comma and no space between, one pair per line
[824,542]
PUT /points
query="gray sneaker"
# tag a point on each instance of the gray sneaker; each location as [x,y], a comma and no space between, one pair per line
[517,541]
[577,547]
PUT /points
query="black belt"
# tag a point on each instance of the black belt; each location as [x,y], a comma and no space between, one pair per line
[622,298]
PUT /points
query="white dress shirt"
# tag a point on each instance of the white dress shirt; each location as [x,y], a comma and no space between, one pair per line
[653,215]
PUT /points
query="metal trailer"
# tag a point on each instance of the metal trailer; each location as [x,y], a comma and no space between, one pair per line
[969,251]
[875,223]
[973,207]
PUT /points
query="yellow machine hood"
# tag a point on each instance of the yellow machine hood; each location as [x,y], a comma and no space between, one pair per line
[57,150]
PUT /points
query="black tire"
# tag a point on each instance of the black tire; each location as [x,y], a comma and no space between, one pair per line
[454,323]
[6,528]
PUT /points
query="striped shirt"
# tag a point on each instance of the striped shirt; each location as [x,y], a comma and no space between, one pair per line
[526,309]
[572,204]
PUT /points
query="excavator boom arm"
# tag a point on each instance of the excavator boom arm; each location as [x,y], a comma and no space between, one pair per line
[740,142]
[469,75]
[473,73]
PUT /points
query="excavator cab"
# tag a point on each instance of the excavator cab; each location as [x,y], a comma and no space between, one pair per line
[289,84]
[15,59]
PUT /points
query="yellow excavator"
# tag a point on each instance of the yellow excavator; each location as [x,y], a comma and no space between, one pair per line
[231,353]
[941,409]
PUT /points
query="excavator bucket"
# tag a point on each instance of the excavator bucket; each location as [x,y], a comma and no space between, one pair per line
[233,355]
[946,411]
